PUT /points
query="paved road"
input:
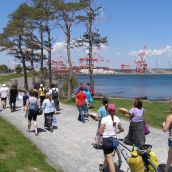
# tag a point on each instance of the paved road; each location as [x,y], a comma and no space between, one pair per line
[69,147]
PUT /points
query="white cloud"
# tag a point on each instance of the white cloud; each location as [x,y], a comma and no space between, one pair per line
[167,51]
[59,46]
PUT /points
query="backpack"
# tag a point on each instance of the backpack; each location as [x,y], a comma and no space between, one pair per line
[33,106]
[153,157]
[54,94]
[135,162]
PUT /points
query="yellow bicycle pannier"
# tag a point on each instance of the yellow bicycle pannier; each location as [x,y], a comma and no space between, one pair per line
[135,162]
[153,157]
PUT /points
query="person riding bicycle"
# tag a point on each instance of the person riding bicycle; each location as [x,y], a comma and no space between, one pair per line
[107,128]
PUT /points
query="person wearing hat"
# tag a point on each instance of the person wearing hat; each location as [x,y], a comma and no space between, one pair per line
[4,91]
[49,108]
[54,92]
[108,127]
[42,93]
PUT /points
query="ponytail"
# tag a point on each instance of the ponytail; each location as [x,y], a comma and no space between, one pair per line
[111,110]
[112,116]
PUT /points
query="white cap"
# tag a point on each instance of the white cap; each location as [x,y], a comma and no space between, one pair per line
[4,85]
[41,85]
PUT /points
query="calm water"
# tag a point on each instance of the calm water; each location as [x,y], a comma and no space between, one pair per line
[150,86]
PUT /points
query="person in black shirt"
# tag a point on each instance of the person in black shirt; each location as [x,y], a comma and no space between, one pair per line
[13,95]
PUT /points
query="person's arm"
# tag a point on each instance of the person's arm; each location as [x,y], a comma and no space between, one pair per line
[27,105]
[121,129]
[86,101]
[99,133]
[38,103]
[166,124]
[101,129]
[43,104]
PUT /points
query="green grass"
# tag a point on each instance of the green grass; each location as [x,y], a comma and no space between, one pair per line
[155,111]
[7,77]
[18,154]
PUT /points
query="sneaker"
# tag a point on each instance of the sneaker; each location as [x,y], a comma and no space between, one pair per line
[83,121]
[86,115]
[51,128]
[101,167]
[28,131]
[36,134]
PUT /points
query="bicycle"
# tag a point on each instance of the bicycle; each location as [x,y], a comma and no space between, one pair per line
[122,151]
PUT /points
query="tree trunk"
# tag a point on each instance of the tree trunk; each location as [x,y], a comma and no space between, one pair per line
[25,74]
[90,48]
[33,72]
[23,61]
[49,56]
[42,53]
[70,74]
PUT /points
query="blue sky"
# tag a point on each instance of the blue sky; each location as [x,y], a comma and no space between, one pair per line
[128,24]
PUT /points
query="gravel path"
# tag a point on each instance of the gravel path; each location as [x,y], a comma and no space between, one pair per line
[69,147]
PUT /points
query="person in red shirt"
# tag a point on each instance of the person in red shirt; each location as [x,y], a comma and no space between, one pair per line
[80,99]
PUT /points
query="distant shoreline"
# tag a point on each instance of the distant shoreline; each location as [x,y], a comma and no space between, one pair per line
[139,74]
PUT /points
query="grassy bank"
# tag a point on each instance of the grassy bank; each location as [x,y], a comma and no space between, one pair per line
[155,111]
[18,154]
[7,77]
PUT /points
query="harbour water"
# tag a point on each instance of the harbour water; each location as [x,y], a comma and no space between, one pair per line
[155,87]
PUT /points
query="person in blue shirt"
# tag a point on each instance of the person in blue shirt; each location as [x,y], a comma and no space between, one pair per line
[102,112]
[88,102]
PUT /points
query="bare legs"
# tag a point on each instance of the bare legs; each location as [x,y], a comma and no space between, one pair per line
[35,126]
[29,125]
[169,160]
[109,162]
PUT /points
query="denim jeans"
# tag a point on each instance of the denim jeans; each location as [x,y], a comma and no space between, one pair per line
[85,108]
[81,113]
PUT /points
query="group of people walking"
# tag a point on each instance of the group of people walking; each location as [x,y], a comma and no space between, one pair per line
[84,100]
[48,104]
[39,100]
[10,94]
[47,100]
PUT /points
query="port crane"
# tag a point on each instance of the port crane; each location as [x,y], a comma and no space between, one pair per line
[141,64]
[84,61]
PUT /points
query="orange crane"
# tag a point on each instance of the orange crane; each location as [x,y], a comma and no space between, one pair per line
[141,65]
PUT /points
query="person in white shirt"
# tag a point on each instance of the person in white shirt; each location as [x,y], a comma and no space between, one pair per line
[109,125]
[4,91]
[54,92]
[48,108]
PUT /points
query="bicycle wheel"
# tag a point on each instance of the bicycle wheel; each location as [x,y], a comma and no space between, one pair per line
[151,167]
[117,158]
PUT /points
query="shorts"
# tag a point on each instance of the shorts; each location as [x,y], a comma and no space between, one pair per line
[170,143]
[32,115]
[109,144]
[3,99]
